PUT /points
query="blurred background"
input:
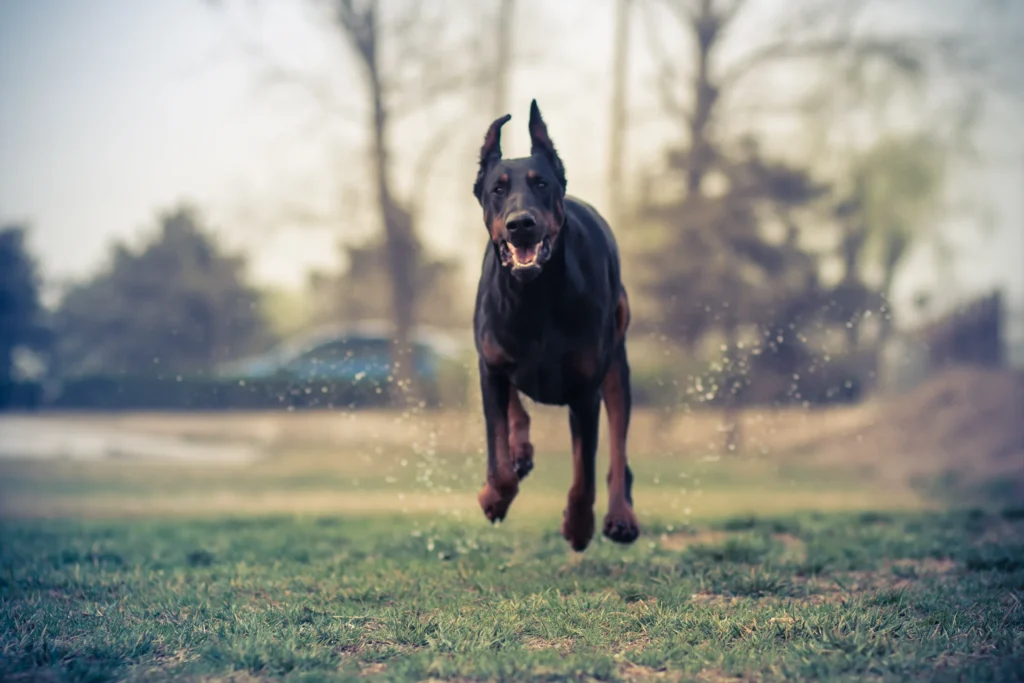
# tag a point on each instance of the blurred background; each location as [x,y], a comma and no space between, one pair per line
[239,248]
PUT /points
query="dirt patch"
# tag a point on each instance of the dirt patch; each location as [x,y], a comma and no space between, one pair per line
[925,566]
[898,575]
[820,590]
[717,676]
[638,672]
[560,645]
[236,677]
[716,599]
[682,541]
[373,669]
[794,550]
[642,606]
[1000,532]
[34,676]
[965,426]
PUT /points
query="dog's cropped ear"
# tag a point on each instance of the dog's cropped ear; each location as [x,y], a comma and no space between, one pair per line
[490,153]
[541,143]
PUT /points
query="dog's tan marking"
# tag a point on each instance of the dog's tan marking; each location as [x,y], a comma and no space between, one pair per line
[496,227]
[586,361]
[520,448]
[620,523]
[493,354]
[621,316]
[578,518]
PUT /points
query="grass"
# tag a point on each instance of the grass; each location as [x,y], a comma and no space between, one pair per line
[350,558]
[840,596]
[326,464]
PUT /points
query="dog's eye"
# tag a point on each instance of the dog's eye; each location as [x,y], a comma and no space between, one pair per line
[541,184]
[498,190]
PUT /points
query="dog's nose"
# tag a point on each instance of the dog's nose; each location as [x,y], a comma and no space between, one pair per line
[519,222]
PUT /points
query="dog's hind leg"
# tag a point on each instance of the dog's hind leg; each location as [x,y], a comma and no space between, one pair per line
[520,448]
[620,524]
[502,482]
[578,519]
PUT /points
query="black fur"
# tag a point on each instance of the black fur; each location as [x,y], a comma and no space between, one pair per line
[552,329]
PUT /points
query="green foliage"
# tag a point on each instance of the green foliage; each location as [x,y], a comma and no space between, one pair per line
[177,305]
[21,312]
[447,389]
[715,266]
[363,290]
[894,597]
[146,392]
[763,382]
[898,188]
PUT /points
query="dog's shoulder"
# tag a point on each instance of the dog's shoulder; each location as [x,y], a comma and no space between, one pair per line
[590,226]
[591,240]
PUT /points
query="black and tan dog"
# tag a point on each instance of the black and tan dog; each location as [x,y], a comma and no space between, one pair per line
[550,322]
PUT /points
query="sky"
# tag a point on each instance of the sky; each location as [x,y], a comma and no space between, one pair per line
[114,110]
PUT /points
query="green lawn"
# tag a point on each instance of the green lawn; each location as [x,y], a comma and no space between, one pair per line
[357,554]
[837,596]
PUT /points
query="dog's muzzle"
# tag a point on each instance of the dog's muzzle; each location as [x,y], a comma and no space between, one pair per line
[526,248]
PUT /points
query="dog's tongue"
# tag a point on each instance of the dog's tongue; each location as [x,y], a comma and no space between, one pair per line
[525,256]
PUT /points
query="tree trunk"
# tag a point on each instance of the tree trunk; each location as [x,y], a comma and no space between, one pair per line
[6,363]
[706,26]
[618,114]
[400,239]
[852,248]
[503,60]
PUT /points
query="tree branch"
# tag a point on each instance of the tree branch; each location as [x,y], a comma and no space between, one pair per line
[668,75]
[428,156]
[729,13]
[439,89]
[316,89]
[685,13]
[895,50]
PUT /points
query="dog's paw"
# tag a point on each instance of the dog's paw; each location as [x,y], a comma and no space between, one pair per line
[578,525]
[495,501]
[620,523]
[522,459]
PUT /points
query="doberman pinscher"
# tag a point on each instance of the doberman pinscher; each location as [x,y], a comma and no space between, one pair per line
[550,322]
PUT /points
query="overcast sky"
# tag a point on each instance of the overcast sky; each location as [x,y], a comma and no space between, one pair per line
[111,110]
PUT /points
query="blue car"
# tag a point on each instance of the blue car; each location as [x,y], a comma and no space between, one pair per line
[354,354]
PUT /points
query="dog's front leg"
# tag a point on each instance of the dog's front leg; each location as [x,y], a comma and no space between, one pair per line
[620,524]
[578,519]
[521,450]
[502,481]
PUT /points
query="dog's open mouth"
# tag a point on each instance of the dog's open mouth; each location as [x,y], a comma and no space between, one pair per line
[525,256]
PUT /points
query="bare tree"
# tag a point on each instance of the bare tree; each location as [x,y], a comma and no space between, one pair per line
[503,60]
[407,62]
[360,24]
[824,34]
[620,63]
[728,69]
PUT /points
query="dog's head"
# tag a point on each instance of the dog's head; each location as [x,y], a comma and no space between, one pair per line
[522,199]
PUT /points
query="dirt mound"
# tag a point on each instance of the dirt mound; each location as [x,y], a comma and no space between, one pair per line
[963,429]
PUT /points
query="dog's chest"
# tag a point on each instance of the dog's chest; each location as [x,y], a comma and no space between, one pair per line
[544,380]
[558,361]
